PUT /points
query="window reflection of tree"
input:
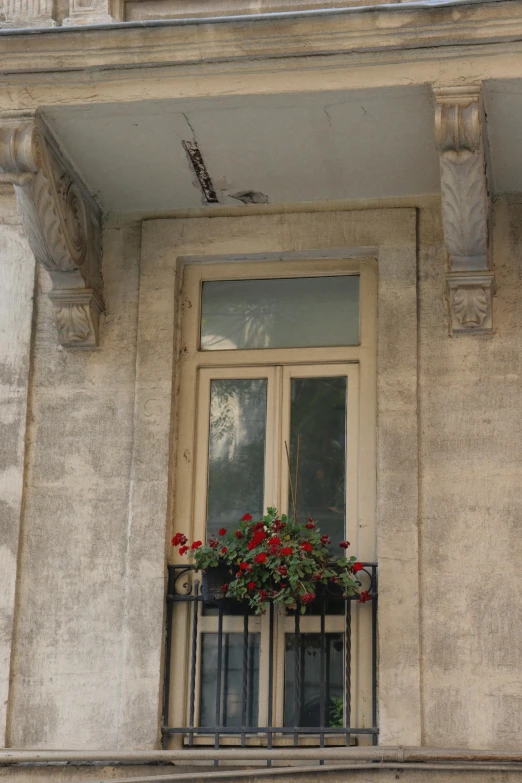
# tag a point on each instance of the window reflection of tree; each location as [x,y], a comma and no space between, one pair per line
[236,450]
[286,312]
[318,416]
[240,324]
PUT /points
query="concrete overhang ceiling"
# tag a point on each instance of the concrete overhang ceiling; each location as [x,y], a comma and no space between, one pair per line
[276,148]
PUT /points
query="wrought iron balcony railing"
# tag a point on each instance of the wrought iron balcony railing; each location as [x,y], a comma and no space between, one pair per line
[278,679]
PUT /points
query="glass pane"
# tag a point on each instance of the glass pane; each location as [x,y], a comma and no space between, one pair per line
[280,313]
[318,418]
[236,464]
[231,697]
[314,682]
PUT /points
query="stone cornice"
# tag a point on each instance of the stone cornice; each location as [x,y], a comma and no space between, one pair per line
[61,221]
[198,40]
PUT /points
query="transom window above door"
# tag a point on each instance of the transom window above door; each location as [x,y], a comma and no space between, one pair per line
[280,313]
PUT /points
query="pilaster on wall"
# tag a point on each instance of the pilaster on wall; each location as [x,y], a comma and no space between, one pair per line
[61,221]
[466,207]
[17,274]
[26,13]
[88,12]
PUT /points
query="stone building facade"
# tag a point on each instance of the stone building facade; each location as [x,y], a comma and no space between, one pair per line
[143,138]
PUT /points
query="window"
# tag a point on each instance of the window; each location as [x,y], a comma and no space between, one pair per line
[272,353]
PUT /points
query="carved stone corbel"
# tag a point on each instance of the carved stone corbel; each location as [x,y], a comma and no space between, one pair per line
[466,207]
[61,221]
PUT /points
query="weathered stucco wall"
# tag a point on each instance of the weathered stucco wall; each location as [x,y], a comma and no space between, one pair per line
[16,308]
[471,503]
[67,663]
[87,658]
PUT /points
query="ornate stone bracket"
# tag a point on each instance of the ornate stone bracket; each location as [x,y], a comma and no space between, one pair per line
[62,223]
[466,207]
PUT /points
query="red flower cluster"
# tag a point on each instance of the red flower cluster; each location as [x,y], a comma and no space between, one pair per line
[277,559]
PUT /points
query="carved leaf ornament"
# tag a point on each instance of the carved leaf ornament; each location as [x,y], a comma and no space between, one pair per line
[471,306]
[466,207]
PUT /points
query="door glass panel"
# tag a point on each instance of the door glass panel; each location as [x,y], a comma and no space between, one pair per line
[314,681]
[236,464]
[280,313]
[231,695]
[318,418]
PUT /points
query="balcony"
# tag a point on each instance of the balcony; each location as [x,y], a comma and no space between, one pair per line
[277,680]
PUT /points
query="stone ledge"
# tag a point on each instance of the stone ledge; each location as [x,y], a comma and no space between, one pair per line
[190,41]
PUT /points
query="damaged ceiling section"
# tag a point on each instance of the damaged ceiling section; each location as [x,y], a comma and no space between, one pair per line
[291,148]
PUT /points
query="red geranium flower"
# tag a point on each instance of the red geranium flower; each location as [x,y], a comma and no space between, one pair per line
[213,542]
[257,538]
[246,518]
[306,546]
[224,550]
[286,550]
[183,549]
[222,531]
[244,566]
[224,588]
[263,595]
[282,569]
[178,539]
[344,544]
[357,567]
[261,557]
[238,534]
[307,597]
[251,585]
[196,544]
[274,541]
[365,596]
[310,525]
[325,539]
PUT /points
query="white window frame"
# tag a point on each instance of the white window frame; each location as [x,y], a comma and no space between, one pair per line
[197,368]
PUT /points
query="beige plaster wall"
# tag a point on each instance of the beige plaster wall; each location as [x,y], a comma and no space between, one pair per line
[66,689]
[471,503]
[16,308]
